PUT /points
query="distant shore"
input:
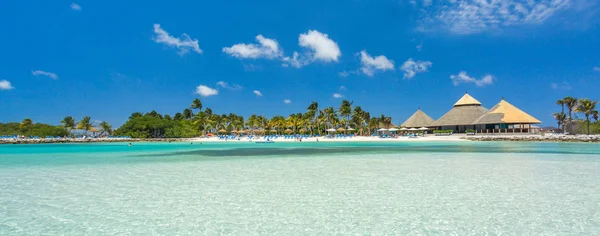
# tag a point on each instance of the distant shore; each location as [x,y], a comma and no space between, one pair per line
[451,138]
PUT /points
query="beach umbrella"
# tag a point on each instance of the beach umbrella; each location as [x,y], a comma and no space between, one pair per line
[351,129]
[394,129]
[403,128]
[330,130]
[382,129]
[423,128]
[273,131]
[222,131]
[288,130]
[341,129]
[412,129]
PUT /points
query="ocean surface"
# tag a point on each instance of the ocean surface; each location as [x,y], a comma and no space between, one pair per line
[460,188]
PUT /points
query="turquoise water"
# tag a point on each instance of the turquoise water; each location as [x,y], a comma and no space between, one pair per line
[300,189]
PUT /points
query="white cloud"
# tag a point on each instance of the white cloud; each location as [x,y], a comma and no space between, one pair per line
[183,43]
[411,67]
[75,7]
[321,47]
[206,91]
[338,95]
[226,85]
[267,48]
[596,69]
[462,77]
[287,101]
[258,93]
[371,64]
[561,86]
[342,88]
[419,47]
[294,61]
[5,85]
[44,73]
[474,16]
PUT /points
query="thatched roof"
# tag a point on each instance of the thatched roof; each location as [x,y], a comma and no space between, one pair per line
[506,113]
[467,100]
[418,119]
[466,110]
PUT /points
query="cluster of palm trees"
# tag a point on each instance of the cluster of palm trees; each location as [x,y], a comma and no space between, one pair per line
[86,124]
[312,121]
[585,106]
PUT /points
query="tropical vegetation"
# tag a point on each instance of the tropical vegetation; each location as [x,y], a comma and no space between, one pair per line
[570,123]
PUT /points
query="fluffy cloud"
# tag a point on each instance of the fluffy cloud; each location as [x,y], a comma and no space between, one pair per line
[226,85]
[44,73]
[596,69]
[267,48]
[287,101]
[338,95]
[411,68]
[258,93]
[321,46]
[5,85]
[474,16]
[462,77]
[371,64]
[206,91]
[183,43]
[75,7]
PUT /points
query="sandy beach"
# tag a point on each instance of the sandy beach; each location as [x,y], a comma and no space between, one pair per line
[354,139]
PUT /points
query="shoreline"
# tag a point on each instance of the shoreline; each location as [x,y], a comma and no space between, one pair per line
[451,138]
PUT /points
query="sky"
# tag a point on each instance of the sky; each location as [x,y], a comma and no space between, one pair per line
[107,59]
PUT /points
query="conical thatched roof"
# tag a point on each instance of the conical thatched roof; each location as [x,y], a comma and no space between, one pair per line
[506,113]
[466,110]
[467,100]
[418,119]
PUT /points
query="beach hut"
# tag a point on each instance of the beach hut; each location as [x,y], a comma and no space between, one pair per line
[505,118]
[462,115]
[418,119]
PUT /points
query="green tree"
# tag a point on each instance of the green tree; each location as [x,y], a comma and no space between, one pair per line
[570,103]
[346,110]
[588,108]
[85,124]
[105,128]
[68,123]
[187,114]
[561,118]
[196,104]
[26,125]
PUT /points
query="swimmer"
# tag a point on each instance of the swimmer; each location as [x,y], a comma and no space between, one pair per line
[130,144]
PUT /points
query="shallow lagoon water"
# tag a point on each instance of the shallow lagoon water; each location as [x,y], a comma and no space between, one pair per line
[300,188]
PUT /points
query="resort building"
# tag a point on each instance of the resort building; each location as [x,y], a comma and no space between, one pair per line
[417,120]
[505,118]
[462,115]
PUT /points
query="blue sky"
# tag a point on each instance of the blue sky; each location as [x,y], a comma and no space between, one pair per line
[107,59]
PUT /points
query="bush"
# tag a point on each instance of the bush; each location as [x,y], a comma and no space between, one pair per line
[470,131]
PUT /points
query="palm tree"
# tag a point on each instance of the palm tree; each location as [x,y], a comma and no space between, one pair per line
[346,110]
[187,114]
[85,124]
[587,107]
[561,102]
[561,118]
[26,125]
[312,113]
[196,104]
[105,128]
[571,103]
[68,123]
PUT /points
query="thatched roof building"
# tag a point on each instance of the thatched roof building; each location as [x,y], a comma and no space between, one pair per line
[466,110]
[506,113]
[418,119]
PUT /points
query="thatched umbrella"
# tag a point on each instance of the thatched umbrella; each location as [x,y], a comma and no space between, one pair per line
[288,130]
[222,131]
[341,129]
[273,131]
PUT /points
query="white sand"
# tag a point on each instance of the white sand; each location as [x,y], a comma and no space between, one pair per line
[354,139]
